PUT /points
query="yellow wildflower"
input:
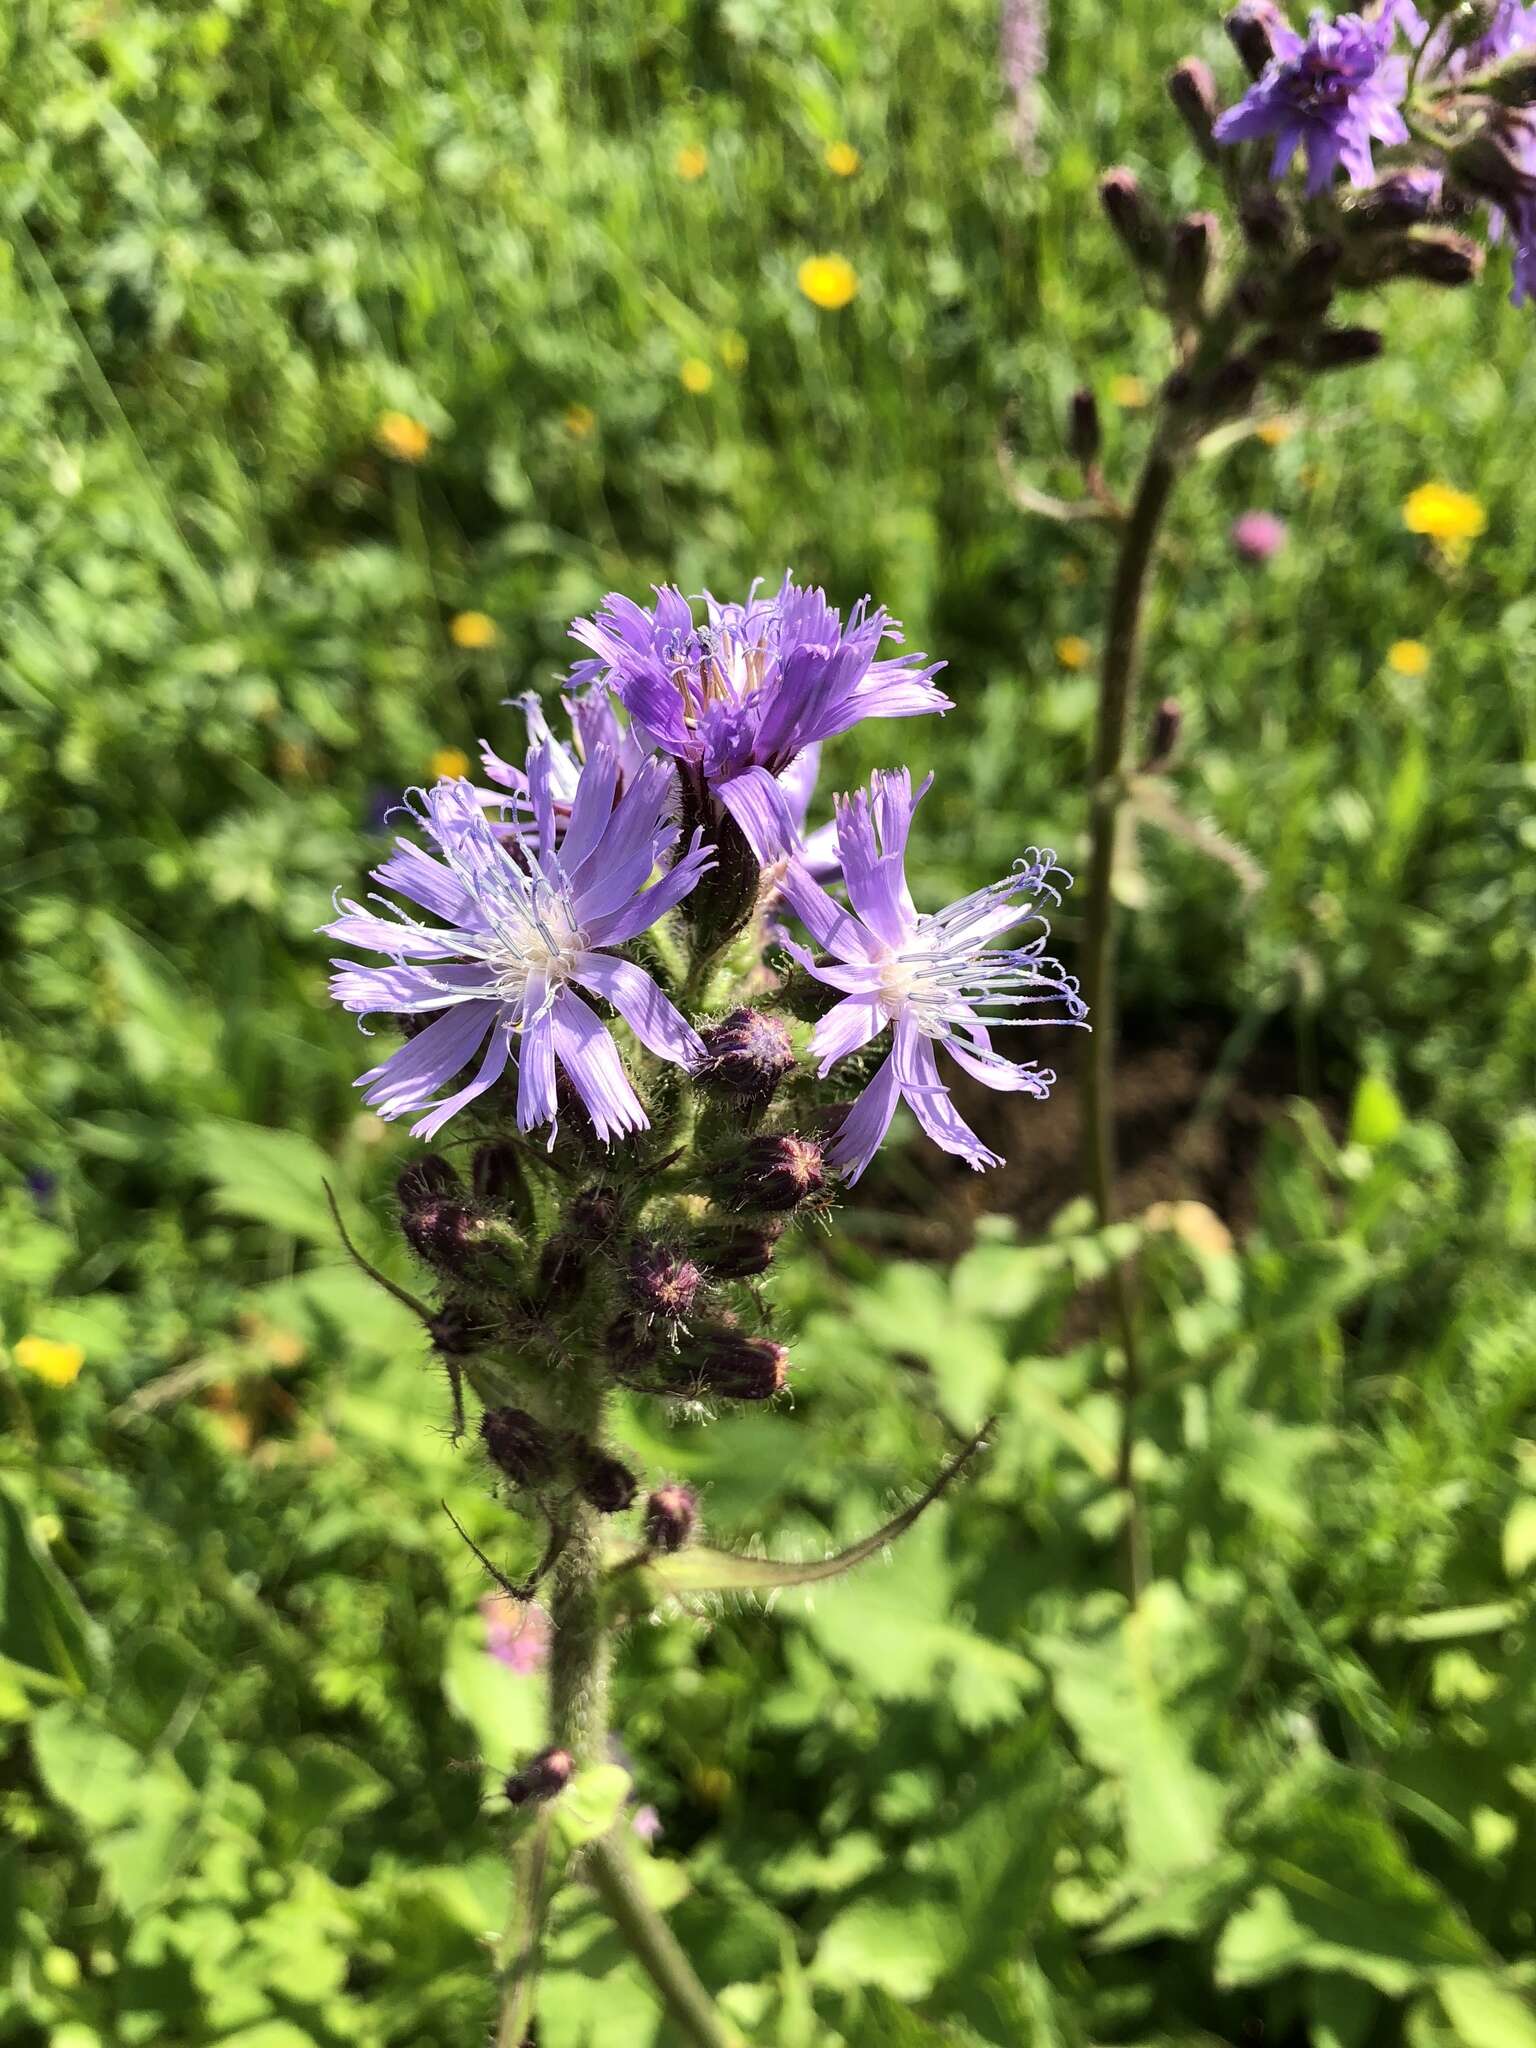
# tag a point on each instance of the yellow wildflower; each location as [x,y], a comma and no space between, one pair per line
[842,159]
[473,630]
[1275,433]
[733,349]
[58,1364]
[1408,658]
[696,375]
[1073,651]
[579,421]
[1444,514]
[1129,392]
[828,281]
[691,162]
[450,762]
[401,436]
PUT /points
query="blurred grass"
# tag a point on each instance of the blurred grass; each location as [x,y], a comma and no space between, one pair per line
[235,238]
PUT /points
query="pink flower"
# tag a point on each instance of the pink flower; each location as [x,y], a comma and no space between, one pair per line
[516,1636]
[1257,536]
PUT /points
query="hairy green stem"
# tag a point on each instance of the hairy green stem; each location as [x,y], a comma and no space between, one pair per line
[1116,726]
[612,1876]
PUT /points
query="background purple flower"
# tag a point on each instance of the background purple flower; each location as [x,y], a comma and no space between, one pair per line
[932,979]
[1332,94]
[740,696]
[529,922]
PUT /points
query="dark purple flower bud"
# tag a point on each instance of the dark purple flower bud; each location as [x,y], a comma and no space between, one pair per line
[1493,164]
[1264,220]
[671,1516]
[518,1445]
[497,1173]
[595,1213]
[777,1173]
[730,1366]
[455,1332]
[1231,388]
[1134,219]
[541,1778]
[1084,437]
[1399,201]
[1167,722]
[1258,536]
[1189,262]
[1437,258]
[606,1482]
[562,1271]
[1254,27]
[426,1180]
[1342,348]
[440,1232]
[662,1282]
[747,1054]
[1306,290]
[1193,92]
[741,1252]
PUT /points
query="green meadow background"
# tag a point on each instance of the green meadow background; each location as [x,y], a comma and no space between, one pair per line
[963,1799]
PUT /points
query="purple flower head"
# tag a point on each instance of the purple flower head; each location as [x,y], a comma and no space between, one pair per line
[528,922]
[1258,536]
[595,723]
[933,979]
[1333,93]
[739,698]
[1509,26]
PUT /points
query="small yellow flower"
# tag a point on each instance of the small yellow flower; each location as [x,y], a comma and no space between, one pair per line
[1408,658]
[1073,651]
[450,762]
[473,630]
[58,1364]
[691,162]
[580,420]
[1444,514]
[1128,392]
[733,349]
[696,375]
[842,159]
[828,281]
[1274,433]
[401,436]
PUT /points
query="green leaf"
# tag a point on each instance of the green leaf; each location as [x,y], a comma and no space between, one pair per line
[43,1627]
[267,1176]
[1520,1539]
[1376,1116]
[1485,2013]
[137,1812]
[902,1941]
[590,1804]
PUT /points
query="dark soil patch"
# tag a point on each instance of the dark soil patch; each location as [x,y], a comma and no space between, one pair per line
[1195,1097]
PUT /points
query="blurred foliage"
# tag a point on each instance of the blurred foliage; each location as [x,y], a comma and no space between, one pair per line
[962,1798]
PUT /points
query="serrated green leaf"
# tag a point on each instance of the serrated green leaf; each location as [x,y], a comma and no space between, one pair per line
[267,1176]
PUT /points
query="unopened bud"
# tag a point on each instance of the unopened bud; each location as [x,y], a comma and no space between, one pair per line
[426,1180]
[741,1252]
[1167,723]
[1490,164]
[1438,258]
[1341,348]
[777,1173]
[1399,201]
[662,1282]
[541,1778]
[517,1445]
[731,1367]
[562,1271]
[606,1482]
[1254,28]
[595,1212]
[1230,390]
[1306,290]
[441,1232]
[497,1172]
[1084,437]
[671,1516]
[1514,84]
[1134,219]
[1193,92]
[1265,220]
[455,1332]
[1189,262]
[746,1054]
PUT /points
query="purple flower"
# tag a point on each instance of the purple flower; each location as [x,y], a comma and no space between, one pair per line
[1333,93]
[1510,27]
[934,979]
[594,723]
[738,699]
[529,922]
[1258,536]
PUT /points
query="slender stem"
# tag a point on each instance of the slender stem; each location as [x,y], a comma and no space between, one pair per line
[1116,722]
[613,1878]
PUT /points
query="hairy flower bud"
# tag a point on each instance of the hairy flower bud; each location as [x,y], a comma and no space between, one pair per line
[1193,92]
[746,1054]
[777,1173]
[606,1482]
[742,1251]
[455,1332]
[441,1232]
[541,1778]
[1513,84]
[1401,200]
[425,1180]
[671,1516]
[497,1172]
[562,1271]
[1489,164]
[1306,290]
[662,1282]
[1264,220]
[1253,28]
[1440,258]
[518,1445]
[729,1366]
[1341,348]
[1189,262]
[1231,389]
[1163,737]
[1084,436]
[595,1212]
[1134,218]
